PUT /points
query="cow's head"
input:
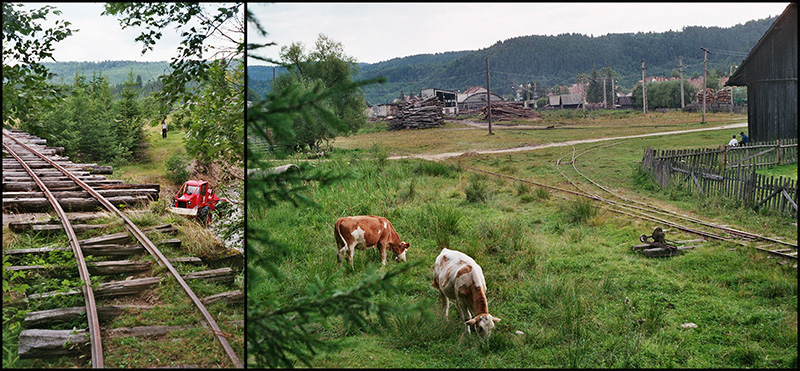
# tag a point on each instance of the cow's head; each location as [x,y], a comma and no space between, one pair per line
[483,324]
[400,251]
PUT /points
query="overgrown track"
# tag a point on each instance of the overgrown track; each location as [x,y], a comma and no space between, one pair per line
[648,210]
[15,147]
[640,210]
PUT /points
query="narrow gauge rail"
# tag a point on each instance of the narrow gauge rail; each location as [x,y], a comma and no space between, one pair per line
[650,217]
[646,209]
[731,231]
[88,294]
[147,244]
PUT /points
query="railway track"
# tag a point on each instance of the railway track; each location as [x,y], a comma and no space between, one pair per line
[28,153]
[637,209]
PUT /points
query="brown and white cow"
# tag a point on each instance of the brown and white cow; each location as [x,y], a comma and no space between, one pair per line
[458,277]
[364,232]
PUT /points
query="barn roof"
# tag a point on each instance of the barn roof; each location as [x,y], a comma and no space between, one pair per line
[787,19]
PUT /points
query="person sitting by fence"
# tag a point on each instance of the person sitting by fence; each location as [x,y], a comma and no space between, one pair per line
[745,139]
[733,141]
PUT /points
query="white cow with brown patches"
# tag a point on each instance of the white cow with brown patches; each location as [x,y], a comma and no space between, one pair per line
[364,232]
[458,277]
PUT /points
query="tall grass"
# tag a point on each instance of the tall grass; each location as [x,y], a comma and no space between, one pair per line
[555,271]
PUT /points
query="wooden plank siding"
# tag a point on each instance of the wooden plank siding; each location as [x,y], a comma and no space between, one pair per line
[770,74]
[700,171]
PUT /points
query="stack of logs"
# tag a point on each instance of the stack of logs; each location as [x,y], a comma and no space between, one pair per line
[506,111]
[710,96]
[724,96]
[418,114]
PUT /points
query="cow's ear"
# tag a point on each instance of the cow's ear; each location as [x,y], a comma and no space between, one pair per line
[495,319]
[405,245]
[472,321]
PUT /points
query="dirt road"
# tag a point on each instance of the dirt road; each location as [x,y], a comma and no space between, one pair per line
[443,156]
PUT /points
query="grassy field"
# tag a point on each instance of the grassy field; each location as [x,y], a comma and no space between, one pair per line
[558,269]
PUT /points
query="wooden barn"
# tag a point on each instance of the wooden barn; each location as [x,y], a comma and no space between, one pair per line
[770,74]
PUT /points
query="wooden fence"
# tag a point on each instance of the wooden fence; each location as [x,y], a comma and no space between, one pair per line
[741,182]
[776,152]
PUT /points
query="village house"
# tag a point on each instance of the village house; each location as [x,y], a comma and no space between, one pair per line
[448,98]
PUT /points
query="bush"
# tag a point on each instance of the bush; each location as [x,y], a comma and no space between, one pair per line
[476,189]
[579,211]
[176,169]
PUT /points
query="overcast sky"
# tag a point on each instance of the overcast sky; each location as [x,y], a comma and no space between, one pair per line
[100,37]
[375,32]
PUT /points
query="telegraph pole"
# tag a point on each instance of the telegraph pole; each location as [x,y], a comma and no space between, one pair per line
[605,100]
[730,73]
[613,94]
[644,89]
[488,96]
[680,68]
[705,65]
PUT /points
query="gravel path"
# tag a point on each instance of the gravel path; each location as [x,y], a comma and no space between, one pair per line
[443,156]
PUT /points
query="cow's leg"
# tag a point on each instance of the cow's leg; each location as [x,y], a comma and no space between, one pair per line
[463,310]
[350,252]
[382,249]
[445,303]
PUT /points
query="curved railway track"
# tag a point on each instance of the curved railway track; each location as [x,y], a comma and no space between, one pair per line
[14,147]
[637,209]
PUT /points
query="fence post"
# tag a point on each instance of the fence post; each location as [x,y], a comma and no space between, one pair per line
[778,150]
[723,156]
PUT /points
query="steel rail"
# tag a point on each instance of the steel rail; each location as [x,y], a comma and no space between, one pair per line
[597,198]
[88,294]
[684,217]
[160,258]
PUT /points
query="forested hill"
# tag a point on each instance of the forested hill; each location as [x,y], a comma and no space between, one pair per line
[556,60]
[115,71]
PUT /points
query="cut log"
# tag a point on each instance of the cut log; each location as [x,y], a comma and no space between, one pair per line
[230,297]
[68,204]
[40,343]
[152,192]
[662,252]
[222,275]
[108,289]
[124,237]
[93,249]
[105,313]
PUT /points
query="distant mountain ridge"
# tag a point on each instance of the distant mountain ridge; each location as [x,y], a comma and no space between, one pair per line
[554,60]
[115,71]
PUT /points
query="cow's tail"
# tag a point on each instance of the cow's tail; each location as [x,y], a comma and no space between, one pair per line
[337,229]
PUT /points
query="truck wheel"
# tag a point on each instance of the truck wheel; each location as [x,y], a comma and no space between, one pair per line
[204,216]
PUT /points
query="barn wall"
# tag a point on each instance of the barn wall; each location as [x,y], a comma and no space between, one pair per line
[771,75]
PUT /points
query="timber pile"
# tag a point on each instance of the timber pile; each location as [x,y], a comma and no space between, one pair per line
[418,114]
[507,111]
[724,96]
[710,96]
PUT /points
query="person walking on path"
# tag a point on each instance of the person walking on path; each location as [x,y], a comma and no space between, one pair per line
[164,129]
[745,139]
[733,141]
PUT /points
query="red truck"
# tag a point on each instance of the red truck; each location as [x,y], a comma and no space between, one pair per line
[196,200]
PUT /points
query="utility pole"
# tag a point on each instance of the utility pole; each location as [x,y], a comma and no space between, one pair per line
[680,68]
[644,89]
[730,73]
[613,94]
[705,66]
[273,74]
[605,100]
[488,97]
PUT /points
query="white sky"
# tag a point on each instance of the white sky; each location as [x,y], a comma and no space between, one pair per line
[101,38]
[375,32]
